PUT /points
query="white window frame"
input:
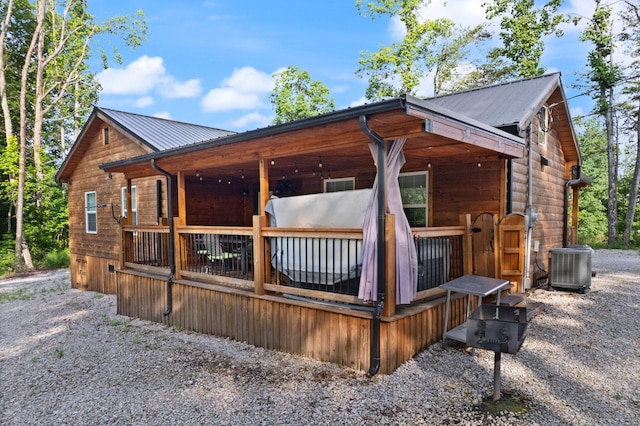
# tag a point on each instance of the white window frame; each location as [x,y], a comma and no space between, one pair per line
[543,125]
[134,204]
[424,173]
[327,182]
[91,211]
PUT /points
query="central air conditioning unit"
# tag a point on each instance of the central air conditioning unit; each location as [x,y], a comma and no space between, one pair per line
[570,267]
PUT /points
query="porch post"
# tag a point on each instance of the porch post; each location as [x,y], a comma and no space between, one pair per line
[128,220]
[389,308]
[179,242]
[264,185]
[126,240]
[467,244]
[182,199]
[260,262]
[262,250]
[574,215]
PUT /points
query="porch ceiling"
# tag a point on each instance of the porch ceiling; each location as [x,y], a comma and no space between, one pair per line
[433,135]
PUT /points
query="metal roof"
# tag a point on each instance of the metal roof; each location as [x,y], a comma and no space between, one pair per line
[506,105]
[161,134]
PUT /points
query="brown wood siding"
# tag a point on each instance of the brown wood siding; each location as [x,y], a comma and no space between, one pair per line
[548,196]
[335,335]
[92,253]
[465,188]
[93,273]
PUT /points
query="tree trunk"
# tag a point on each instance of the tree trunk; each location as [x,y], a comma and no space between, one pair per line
[4,102]
[8,126]
[633,193]
[612,157]
[21,249]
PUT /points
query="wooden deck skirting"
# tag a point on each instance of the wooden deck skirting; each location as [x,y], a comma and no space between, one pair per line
[323,332]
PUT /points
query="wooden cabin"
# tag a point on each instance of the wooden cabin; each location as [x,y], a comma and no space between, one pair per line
[98,200]
[262,236]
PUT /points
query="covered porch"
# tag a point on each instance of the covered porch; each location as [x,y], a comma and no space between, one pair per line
[218,265]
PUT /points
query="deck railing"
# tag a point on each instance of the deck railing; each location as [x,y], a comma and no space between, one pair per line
[323,264]
[146,246]
[223,254]
[320,263]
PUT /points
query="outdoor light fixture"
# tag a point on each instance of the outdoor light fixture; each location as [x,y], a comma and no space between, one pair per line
[544,161]
[273,162]
[320,163]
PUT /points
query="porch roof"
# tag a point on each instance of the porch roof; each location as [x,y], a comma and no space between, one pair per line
[433,133]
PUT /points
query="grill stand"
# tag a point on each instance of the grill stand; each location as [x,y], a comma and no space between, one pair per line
[496,375]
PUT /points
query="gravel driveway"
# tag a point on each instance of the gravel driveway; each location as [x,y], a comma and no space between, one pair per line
[67,358]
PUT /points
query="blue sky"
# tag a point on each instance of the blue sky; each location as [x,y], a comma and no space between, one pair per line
[211,62]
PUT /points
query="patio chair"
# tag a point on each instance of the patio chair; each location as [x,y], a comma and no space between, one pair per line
[216,252]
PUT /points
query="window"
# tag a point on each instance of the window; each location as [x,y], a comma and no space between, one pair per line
[341,184]
[414,193]
[134,204]
[91,214]
[105,135]
[543,125]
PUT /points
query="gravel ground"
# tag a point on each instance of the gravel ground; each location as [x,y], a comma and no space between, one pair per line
[67,358]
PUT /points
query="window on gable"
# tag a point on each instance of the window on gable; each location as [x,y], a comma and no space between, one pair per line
[414,192]
[341,184]
[543,125]
[105,135]
[134,204]
[91,213]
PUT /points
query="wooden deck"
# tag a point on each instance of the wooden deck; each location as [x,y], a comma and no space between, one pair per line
[319,331]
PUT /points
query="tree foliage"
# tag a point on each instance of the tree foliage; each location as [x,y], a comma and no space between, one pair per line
[428,45]
[592,215]
[604,74]
[296,96]
[523,28]
[45,89]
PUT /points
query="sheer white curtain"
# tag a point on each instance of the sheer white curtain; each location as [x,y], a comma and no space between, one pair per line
[406,258]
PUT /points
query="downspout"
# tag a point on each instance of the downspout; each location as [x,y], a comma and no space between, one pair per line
[374,364]
[171,236]
[530,215]
[565,211]
[509,186]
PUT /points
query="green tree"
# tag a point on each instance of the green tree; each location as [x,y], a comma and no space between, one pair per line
[46,45]
[295,96]
[630,36]
[593,199]
[428,45]
[522,30]
[604,75]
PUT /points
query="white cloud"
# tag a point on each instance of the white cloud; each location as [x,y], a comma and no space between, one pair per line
[145,75]
[137,78]
[248,79]
[163,114]
[246,88]
[174,89]
[143,102]
[254,119]
[226,99]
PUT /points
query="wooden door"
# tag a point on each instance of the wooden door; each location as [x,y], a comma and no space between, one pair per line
[510,247]
[484,256]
